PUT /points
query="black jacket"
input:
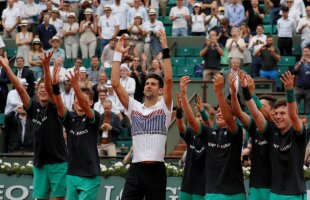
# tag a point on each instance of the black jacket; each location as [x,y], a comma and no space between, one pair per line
[116,127]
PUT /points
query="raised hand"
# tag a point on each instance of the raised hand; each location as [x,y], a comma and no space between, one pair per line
[232,82]
[120,45]
[46,59]
[4,62]
[251,84]
[179,102]
[243,79]
[183,84]
[56,75]
[74,78]
[198,104]
[288,80]
[163,39]
[218,81]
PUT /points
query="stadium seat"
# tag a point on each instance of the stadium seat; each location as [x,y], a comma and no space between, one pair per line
[178,61]
[287,61]
[161,18]
[186,71]
[11,52]
[268,29]
[1,119]
[171,3]
[297,51]
[224,58]
[283,69]
[184,51]
[168,30]
[124,146]
[266,19]
[108,71]
[68,63]
[247,69]
[86,62]
[124,135]
[192,61]
[167,21]
[196,51]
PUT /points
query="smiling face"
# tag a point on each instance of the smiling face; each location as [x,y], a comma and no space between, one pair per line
[281,118]
[152,89]
[42,93]
[219,119]
[77,106]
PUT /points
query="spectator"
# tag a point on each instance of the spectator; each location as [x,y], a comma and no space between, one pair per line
[302,88]
[2,45]
[304,28]
[198,21]
[34,58]
[152,46]
[213,20]
[286,28]
[126,81]
[130,54]
[26,73]
[58,63]
[246,36]
[111,95]
[68,95]
[108,27]
[223,31]
[75,7]
[66,9]
[42,6]
[120,11]
[83,80]
[48,10]
[137,33]
[71,41]
[30,12]
[156,67]
[19,5]
[163,7]
[88,31]
[138,76]
[298,7]
[102,80]
[78,64]
[10,19]
[57,51]
[94,70]
[23,41]
[292,13]
[235,45]
[256,43]
[179,15]
[136,9]
[107,54]
[98,106]
[83,7]
[269,58]
[111,128]
[13,99]
[4,81]
[211,53]
[235,13]
[57,23]
[275,8]
[255,16]
[45,32]
[207,6]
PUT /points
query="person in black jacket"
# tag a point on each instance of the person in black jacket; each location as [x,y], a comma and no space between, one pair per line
[26,73]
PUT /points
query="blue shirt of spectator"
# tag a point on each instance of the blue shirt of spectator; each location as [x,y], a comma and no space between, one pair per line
[235,13]
[45,34]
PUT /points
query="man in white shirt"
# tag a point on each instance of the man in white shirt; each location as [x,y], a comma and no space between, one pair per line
[10,20]
[136,9]
[293,13]
[108,27]
[107,55]
[13,99]
[58,23]
[298,7]
[126,81]
[304,28]
[286,28]
[179,15]
[62,74]
[120,11]
[30,12]
[19,5]
[68,95]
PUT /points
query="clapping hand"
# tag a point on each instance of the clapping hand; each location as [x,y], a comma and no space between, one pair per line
[288,80]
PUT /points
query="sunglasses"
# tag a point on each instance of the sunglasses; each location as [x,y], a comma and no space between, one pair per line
[136,60]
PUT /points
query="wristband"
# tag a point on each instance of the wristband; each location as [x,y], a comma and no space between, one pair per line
[204,115]
[166,53]
[56,89]
[117,57]
[257,101]
[246,93]
[290,96]
[179,113]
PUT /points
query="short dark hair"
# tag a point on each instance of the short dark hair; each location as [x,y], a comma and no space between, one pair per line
[157,77]
[260,26]
[285,9]
[19,57]
[94,57]
[88,92]
[271,99]
[280,102]
[269,36]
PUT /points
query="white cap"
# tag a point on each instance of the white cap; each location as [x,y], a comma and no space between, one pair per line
[83,69]
[138,15]
[107,7]
[55,10]
[125,66]
[197,5]
[108,84]
[88,11]
[71,14]
[55,38]
[23,81]
[24,22]
[152,11]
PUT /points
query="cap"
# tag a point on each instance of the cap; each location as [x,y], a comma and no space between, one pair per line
[107,7]
[55,10]
[23,81]
[36,41]
[125,66]
[71,14]
[152,11]
[24,22]
[83,69]
[138,15]
[55,38]
[108,84]
[88,11]
[196,5]
[221,8]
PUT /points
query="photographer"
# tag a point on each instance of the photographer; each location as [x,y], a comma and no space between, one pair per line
[223,31]
[211,53]
[269,57]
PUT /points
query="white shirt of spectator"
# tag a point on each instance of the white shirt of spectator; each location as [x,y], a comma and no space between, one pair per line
[99,108]
[180,22]
[121,12]
[154,27]
[12,102]
[63,15]
[1,42]
[106,2]
[294,14]
[214,21]
[298,7]
[68,99]
[115,102]
[129,85]
[29,11]
[107,26]
[10,16]
[71,39]
[19,5]
[286,27]
[305,33]
[198,23]
[62,74]
[255,46]
[59,24]
[154,4]
[234,52]
[149,146]
[132,12]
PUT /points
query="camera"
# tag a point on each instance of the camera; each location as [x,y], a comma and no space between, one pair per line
[267,46]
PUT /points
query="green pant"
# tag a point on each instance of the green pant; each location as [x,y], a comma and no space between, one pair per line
[274,196]
[259,193]
[212,196]
[49,181]
[82,188]
[187,196]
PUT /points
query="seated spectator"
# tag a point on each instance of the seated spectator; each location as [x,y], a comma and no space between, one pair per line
[94,70]
[102,80]
[235,13]
[78,63]
[213,20]
[30,12]
[198,21]
[126,81]
[45,32]
[136,32]
[286,28]
[70,33]
[13,98]
[26,73]
[23,41]
[179,15]
[111,95]
[83,80]
[19,131]
[111,128]
[57,51]
[269,58]
[156,67]
[223,31]
[57,23]
[42,6]
[235,45]
[68,95]
[98,106]
[304,28]
[255,16]
[62,74]
[211,53]
[34,58]
[107,54]
[131,53]
[138,76]
[10,19]
[88,31]
[246,36]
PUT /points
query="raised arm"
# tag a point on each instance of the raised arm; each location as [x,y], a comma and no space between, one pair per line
[202,111]
[47,75]
[192,121]
[235,106]
[4,62]
[225,109]
[288,82]
[79,95]
[179,115]
[115,75]
[167,70]
[258,117]
[61,108]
